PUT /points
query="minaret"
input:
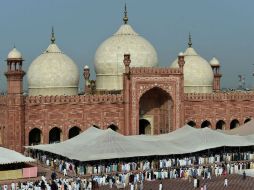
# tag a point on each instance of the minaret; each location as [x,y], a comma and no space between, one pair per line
[215,64]
[14,73]
[15,133]
[86,74]
[181,61]
[127,94]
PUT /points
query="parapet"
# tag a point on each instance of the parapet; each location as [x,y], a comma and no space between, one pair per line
[86,99]
[154,71]
[220,96]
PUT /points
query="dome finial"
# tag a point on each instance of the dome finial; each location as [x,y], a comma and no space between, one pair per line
[53,39]
[190,42]
[125,18]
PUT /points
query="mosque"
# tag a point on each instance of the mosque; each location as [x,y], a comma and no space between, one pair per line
[132,94]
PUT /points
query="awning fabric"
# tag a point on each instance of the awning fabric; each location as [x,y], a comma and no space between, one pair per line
[95,144]
[8,156]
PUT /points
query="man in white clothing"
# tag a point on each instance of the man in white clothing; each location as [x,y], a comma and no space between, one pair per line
[160,186]
[225,182]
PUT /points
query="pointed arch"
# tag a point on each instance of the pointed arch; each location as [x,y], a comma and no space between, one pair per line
[221,125]
[205,124]
[55,135]
[247,120]
[157,104]
[191,123]
[113,127]
[234,124]
[74,131]
[35,136]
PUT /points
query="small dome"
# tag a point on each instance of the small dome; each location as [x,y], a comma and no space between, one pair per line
[214,62]
[86,67]
[108,61]
[198,74]
[14,54]
[53,73]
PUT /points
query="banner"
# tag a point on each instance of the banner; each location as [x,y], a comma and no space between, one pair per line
[30,172]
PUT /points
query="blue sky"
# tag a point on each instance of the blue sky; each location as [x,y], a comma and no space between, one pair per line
[220,28]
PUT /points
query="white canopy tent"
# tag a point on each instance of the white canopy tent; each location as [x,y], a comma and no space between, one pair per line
[8,156]
[96,144]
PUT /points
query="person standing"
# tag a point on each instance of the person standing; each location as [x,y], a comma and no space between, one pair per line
[141,187]
[161,186]
[244,175]
[132,186]
[195,183]
[225,182]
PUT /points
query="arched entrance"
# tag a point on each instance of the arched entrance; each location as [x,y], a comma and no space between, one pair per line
[206,124]
[55,135]
[157,105]
[74,131]
[192,123]
[234,123]
[113,127]
[144,127]
[220,125]
[247,120]
[35,136]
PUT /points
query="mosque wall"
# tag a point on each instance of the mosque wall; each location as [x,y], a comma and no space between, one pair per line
[215,107]
[65,112]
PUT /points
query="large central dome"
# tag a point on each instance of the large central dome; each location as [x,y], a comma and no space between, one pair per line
[108,60]
[53,73]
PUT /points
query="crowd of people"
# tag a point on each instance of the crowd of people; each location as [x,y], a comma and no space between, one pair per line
[133,172]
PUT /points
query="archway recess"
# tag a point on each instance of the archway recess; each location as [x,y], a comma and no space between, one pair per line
[234,123]
[74,131]
[221,125]
[113,127]
[144,127]
[55,135]
[247,120]
[206,124]
[35,136]
[157,105]
[191,123]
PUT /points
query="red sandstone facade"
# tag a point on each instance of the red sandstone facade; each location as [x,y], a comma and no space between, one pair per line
[152,101]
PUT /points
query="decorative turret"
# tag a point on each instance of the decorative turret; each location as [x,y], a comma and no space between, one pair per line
[86,74]
[215,64]
[181,60]
[127,62]
[14,73]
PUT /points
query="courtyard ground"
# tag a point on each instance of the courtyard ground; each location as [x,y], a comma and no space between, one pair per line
[236,182]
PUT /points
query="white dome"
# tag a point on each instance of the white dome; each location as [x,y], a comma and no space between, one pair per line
[14,54]
[198,73]
[109,57]
[214,62]
[53,73]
